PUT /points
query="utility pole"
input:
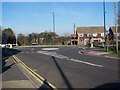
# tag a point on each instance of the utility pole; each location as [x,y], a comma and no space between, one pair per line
[53,22]
[104,25]
[116,26]
[53,27]
[74,33]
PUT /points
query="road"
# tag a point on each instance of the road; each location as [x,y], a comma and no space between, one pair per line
[64,67]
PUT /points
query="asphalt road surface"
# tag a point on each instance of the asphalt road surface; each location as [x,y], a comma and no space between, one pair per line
[64,67]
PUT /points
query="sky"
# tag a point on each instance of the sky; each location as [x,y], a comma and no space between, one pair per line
[37,17]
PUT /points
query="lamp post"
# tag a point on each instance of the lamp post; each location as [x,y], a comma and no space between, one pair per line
[74,33]
[53,22]
[116,26]
[53,26]
[104,25]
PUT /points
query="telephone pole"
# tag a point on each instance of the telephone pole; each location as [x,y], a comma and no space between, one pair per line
[116,26]
[53,22]
[104,25]
[74,33]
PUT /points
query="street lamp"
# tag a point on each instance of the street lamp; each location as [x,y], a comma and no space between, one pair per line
[53,22]
[74,33]
[53,26]
[116,26]
[104,24]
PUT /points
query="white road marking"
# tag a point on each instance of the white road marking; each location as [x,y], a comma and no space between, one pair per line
[50,48]
[75,60]
[67,58]
[21,52]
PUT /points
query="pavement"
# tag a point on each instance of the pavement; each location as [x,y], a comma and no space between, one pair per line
[98,52]
[12,76]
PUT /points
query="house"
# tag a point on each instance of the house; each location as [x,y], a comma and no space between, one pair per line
[73,39]
[86,35]
[113,28]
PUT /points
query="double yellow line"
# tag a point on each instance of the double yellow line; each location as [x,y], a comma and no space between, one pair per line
[33,73]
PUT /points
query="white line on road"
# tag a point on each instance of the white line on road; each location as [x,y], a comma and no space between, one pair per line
[88,63]
[67,58]
[50,48]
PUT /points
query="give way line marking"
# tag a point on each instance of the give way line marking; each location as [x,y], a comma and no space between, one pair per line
[67,58]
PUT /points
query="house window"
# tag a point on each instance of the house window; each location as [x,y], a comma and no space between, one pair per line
[89,35]
[81,35]
[81,40]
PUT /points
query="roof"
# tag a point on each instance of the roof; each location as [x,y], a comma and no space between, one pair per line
[114,30]
[86,30]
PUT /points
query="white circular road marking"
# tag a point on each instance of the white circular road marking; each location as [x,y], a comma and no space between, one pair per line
[50,48]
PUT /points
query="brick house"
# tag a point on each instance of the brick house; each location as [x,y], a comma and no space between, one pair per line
[114,31]
[73,39]
[85,33]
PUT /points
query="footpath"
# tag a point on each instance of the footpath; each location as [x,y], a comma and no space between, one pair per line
[12,76]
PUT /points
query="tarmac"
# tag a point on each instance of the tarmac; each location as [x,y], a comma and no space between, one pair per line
[16,75]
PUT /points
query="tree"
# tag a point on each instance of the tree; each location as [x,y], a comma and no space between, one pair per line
[29,38]
[21,40]
[10,35]
[48,37]
[111,36]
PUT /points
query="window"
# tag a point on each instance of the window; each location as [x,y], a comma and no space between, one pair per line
[88,35]
[81,35]
[81,40]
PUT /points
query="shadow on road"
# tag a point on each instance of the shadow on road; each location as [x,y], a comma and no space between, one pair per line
[45,86]
[62,74]
[5,54]
[109,86]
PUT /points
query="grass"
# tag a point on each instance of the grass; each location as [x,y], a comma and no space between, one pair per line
[114,51]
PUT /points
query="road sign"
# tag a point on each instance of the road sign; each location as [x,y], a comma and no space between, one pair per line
[4,37]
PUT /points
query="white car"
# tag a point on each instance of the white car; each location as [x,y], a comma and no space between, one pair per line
[2,45]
